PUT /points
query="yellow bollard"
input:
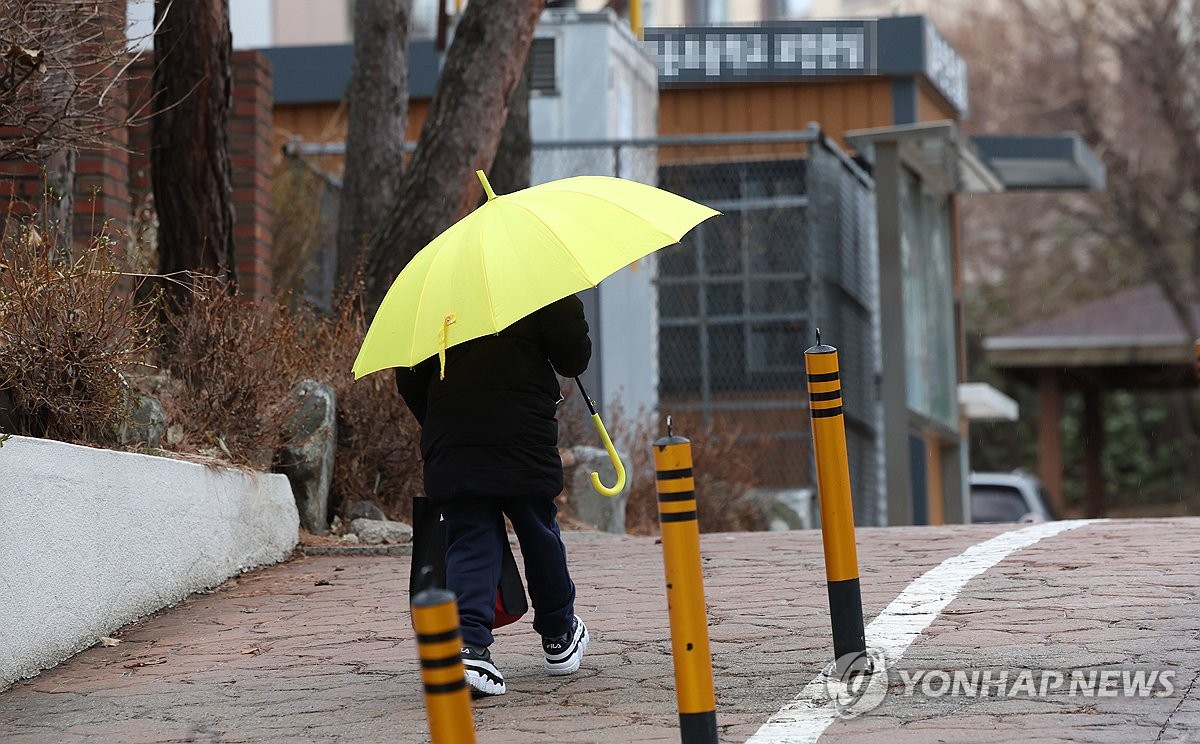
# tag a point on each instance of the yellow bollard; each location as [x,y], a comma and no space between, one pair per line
[837,510]
[685,589]
[447,699]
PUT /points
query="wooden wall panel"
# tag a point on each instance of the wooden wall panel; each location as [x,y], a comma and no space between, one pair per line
[838,105]
[930,104]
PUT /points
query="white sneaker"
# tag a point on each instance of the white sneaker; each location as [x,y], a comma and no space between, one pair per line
[564,653]
[482,675]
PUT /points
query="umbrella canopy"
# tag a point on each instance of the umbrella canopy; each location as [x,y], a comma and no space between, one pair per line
[515,254]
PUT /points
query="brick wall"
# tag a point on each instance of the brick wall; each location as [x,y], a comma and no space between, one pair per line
[20,189]
[101,198]
[113,181]
[251,127]
[102,184]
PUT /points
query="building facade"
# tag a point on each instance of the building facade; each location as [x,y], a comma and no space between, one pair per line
[735,109]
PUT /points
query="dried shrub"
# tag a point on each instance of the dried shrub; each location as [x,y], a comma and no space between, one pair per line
[378,440]
[725,466]
[67,332]
[232,363]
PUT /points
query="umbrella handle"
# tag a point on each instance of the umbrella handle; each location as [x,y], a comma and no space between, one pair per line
[616,461]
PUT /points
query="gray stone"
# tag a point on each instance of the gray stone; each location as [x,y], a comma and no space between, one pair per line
[376,531]
[307,458]
[785,508]
[147,425]
[607,513]
[365,509]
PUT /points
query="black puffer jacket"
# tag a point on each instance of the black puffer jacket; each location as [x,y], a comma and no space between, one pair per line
[488,428]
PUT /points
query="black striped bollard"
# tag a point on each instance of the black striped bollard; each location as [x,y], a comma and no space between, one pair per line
[447,700]
[837,510]
[685,589]
[1198,358]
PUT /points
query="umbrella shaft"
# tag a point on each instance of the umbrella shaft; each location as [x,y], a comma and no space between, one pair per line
[586,399]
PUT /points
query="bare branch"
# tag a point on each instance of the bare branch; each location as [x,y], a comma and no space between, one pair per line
[59,60]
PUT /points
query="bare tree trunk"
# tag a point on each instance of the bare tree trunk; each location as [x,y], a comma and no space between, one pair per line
[60,196]
[189,154]
[378,119]
[512,168]
[459,136]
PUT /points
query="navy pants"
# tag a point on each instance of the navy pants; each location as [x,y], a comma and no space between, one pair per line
[475,535]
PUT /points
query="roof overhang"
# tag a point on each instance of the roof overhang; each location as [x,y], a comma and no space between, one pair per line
[982,402]
[946,161]
[320,74]
[1056,162]
[1086,351]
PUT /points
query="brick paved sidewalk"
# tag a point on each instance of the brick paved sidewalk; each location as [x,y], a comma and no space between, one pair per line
[320,649]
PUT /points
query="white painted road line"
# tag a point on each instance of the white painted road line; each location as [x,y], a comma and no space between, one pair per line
[805,718]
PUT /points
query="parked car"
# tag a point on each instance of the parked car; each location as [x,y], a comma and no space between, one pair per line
[1009,497]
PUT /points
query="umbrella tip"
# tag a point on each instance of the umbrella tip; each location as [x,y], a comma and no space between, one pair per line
[487,187]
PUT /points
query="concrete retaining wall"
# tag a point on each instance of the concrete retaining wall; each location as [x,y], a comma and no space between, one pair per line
[92,539]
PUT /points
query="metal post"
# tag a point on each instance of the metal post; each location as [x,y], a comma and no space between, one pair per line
[685,589]
[837,509]
[447,701]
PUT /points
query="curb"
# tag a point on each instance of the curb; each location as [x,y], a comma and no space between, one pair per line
[355,550]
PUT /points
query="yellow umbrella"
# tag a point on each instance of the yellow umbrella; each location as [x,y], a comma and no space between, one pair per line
[515,254]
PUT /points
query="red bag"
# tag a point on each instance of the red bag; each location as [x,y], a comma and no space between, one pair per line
[510,594]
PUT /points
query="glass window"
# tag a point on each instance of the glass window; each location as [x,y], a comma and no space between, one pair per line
[990,504]
[913,290]
[928,289]
[939,298]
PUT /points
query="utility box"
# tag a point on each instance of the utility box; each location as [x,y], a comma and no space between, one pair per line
[594,86]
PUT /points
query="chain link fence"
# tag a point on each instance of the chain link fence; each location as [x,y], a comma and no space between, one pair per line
[740,299]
